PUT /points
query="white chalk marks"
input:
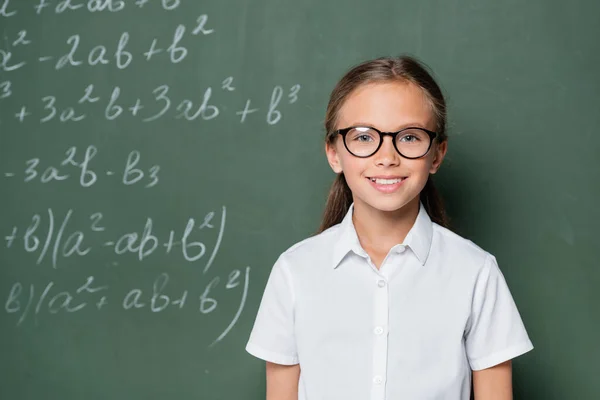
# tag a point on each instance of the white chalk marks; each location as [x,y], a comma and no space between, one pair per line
[125,82]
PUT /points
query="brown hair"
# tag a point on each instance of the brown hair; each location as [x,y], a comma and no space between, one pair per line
[399,69]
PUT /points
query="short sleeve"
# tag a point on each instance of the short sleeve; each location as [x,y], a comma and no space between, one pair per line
[272,337]
[495,332]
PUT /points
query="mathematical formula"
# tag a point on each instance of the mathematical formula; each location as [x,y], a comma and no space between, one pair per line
[101,55]
[8,8]
[47,238]
[162,103]
[25,300]
[120,55]
[72,80]
[35,170]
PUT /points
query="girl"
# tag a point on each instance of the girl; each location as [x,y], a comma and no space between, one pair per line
[386,302]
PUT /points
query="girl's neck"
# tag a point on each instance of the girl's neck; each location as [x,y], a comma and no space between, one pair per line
[378,231]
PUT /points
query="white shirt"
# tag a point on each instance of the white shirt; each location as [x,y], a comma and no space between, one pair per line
[437,308]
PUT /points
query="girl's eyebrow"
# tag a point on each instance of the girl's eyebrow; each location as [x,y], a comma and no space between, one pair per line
[398,128]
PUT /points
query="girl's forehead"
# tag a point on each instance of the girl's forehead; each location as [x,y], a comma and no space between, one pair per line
[387,106]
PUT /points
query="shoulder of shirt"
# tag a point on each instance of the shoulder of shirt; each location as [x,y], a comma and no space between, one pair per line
[463,249]
[314,246]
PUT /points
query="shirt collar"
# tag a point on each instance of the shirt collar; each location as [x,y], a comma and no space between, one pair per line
[418,238]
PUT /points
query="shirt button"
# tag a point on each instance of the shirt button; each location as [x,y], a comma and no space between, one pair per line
[401,249]
[381,283]
[378,380]
[378,330]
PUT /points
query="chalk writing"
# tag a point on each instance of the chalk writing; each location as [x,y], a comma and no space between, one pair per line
[95,6]
[118,54]
[5,10]
[161,104]
[98,92]
[28,300]
[5,89]
[56,241]
[80,162]
[6,64]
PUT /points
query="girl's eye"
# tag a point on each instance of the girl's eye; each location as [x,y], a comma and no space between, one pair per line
[413,136]
[364,138]
[409,138]
[362,135]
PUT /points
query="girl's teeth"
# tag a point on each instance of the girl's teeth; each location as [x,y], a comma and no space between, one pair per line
[386,181]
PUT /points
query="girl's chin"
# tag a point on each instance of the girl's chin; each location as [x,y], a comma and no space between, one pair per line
[391,205]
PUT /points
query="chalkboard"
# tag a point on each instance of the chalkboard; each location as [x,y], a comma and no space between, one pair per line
[157,156]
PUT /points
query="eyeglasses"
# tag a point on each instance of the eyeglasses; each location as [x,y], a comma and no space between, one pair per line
[364,141]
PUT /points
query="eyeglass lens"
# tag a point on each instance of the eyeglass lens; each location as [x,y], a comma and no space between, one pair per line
[364,141]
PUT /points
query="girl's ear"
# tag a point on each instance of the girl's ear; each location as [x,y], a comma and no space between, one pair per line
[439,154]
[333,158]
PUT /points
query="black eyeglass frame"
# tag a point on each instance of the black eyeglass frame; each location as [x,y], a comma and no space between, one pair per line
[344,131]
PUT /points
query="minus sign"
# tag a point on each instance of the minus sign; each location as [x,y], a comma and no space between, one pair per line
[109,173]
[109,243]
[46,58]
[9,174]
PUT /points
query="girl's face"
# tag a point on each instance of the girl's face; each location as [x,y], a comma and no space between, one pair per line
[389,107]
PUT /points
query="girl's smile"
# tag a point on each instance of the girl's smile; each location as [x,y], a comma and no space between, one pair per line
[386,184]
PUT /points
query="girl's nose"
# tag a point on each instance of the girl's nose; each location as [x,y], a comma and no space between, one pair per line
[387,154]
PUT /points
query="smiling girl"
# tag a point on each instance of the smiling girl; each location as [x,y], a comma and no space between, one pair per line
[386,302]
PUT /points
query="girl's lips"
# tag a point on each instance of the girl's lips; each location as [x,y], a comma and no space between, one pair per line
[389,188]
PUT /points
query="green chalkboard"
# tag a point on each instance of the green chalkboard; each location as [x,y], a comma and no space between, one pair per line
[157,156]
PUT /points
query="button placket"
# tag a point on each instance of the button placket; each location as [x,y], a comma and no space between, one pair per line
[380,337]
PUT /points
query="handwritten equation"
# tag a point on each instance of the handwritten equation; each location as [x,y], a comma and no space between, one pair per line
[101,55]
[56,241]
[35,170]
[161,104]
[8,8]
[133,78]
[24,299]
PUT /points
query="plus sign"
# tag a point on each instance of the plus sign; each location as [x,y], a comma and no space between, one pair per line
[101,303]
[247,110]
[153,50]
[22,114]
[11,238]
[42,4]
[136,107]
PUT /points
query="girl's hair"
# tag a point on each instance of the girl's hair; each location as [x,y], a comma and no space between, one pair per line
[386,69]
